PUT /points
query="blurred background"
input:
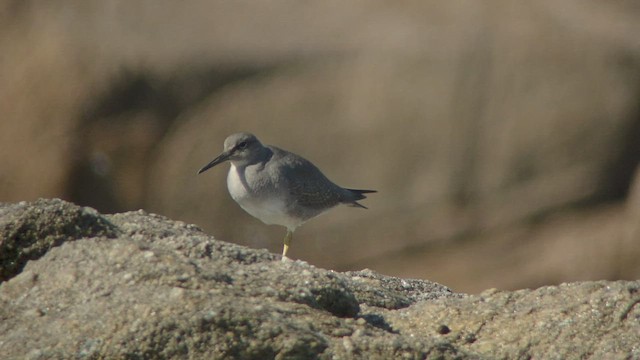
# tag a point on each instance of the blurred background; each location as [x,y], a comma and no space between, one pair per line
[503,137]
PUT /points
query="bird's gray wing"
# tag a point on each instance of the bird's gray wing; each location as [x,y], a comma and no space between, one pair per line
[308,186]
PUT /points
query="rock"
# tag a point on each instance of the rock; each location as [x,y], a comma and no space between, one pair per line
[598,319]
[30,230]
[140,285]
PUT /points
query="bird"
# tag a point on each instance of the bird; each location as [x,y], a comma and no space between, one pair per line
[279,187]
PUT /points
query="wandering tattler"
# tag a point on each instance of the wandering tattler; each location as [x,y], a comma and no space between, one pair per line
[279,187]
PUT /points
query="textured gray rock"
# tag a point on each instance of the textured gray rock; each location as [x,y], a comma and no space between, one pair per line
[138,285]
[599,320]
[29,230]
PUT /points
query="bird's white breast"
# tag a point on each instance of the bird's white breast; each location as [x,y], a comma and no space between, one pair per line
[265,206]
[237,189]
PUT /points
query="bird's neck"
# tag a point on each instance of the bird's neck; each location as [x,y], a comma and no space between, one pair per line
[259,158]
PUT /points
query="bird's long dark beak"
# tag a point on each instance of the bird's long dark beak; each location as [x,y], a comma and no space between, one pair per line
[220,159]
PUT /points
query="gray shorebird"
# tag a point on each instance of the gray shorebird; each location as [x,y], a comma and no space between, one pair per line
[279,187]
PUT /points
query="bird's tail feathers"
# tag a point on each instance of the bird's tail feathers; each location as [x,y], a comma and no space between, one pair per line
[359,195]
[358,205]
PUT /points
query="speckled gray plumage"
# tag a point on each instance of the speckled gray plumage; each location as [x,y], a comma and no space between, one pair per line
[309,191]
[277,186]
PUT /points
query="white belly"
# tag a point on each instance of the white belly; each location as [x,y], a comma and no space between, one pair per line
[269,209]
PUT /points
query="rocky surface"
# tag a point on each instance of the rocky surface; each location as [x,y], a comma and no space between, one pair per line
[137,285]
[30,230]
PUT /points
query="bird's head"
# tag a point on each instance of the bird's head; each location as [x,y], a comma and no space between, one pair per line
[240,148]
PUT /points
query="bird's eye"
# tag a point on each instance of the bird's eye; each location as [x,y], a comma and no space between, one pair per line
[242,145]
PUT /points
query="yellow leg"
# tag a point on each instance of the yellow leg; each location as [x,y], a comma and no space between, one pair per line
[287,242]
